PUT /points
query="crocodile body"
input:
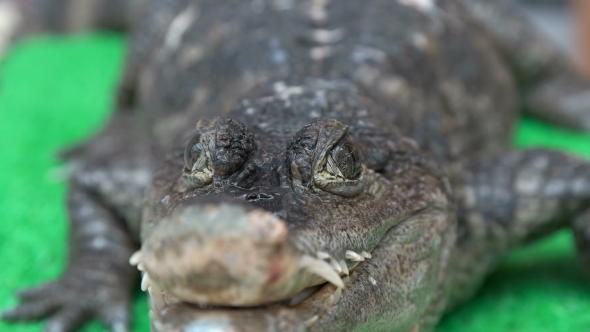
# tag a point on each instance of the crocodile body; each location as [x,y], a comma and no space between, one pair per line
[350,168]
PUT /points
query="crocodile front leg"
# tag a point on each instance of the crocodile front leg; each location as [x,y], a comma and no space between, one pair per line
[509,199]
[554,90]
[97,281]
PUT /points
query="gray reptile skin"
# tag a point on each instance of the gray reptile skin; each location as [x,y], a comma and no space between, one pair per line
[310,165]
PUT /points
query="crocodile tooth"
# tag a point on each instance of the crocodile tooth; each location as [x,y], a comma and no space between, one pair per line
[336,296]
[343,266]
[346,280]
[322,255]
[336,266]
[366,254]
[135,258]
[331,300]
[322,269]
[353,256]
[145,282]
[311,321]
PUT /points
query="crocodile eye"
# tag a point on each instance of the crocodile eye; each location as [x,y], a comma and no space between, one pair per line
[221,147]
[341,171]
[197,167]
[344,160]
[194,154]
[323,155]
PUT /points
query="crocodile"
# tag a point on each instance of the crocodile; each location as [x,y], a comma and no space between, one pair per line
[282,165]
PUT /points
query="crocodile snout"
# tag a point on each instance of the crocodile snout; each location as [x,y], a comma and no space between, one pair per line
[227,254]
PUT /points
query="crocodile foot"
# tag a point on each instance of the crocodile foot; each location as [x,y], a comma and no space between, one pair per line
[81,295]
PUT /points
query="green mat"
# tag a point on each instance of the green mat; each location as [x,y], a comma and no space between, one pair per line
[56,91]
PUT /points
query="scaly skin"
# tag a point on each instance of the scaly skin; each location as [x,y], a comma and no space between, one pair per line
[350,172]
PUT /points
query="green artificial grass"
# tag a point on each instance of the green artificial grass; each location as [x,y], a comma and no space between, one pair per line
[57,91]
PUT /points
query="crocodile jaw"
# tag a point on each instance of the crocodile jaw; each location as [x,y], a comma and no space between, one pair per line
[226,255]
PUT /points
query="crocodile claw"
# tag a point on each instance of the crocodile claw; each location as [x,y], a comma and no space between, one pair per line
[71,302]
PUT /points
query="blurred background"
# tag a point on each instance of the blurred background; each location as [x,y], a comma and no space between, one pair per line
[565,22]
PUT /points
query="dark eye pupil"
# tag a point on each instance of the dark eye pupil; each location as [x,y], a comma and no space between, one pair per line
[347,158]
[192,152]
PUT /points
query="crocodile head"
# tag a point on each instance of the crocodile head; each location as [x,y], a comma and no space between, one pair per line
[300,211]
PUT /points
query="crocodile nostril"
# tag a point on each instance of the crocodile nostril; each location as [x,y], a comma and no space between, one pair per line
[257,197]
